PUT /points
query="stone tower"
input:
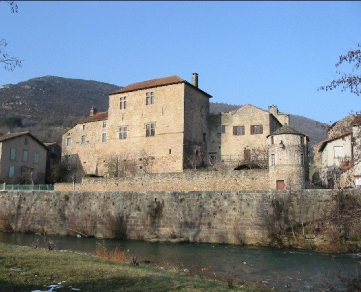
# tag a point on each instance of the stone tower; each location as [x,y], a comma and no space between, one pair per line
[288,160]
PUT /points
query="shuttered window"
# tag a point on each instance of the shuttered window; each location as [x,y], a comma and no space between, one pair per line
[256,129]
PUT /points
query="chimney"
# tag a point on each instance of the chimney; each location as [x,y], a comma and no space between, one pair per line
[93,111]
[195,79]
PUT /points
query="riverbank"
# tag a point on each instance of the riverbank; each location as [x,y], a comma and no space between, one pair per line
[28,269]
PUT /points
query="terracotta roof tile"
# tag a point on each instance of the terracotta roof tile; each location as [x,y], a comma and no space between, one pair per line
[150,84]
[155,83]
[100,116]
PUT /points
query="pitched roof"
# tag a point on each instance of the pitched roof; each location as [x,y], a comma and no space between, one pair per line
[155,83]
[325,142]
[100,116]
[285,129]
[19,134]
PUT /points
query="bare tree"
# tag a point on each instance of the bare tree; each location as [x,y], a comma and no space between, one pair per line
[348,81]
[9,62]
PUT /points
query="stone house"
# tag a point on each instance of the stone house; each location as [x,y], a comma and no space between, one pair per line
[22,158]
[164,126]
[340,154]
[158,125]
[239,138]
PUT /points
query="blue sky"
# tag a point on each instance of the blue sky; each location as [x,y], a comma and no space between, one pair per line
[261,53]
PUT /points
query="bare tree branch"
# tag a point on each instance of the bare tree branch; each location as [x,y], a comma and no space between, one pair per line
[347,81]
[9,62]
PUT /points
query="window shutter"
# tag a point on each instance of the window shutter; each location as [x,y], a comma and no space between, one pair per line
[261,129]
[234,130]
[252,130]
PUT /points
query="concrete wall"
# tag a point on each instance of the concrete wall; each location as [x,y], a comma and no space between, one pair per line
[186,181]
[224,217]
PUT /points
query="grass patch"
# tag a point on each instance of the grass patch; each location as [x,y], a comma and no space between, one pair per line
[27,269]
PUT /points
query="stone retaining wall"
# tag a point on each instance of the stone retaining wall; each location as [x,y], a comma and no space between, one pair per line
[253,179]
[246,217]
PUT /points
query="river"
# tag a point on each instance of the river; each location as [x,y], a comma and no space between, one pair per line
[286,270]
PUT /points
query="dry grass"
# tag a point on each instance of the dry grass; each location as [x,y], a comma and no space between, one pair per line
[115,255]
[26,269]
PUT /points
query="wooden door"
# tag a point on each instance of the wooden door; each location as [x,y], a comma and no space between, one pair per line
[247,154]
[280,185]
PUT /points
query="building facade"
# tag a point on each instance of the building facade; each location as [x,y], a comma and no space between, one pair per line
[165,126]
[23,158]
[239,138]
[152,126]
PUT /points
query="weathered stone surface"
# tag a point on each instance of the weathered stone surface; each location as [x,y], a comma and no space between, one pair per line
[246,217]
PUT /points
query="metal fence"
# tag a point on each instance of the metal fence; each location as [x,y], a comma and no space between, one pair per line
[29,187]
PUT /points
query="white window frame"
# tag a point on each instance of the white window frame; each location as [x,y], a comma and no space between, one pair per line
[123,103]
[68,141]
[273,159]
[123,132]
[150,129]
[149,98]
[338,152]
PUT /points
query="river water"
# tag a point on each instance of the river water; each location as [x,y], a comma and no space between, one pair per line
[286,270]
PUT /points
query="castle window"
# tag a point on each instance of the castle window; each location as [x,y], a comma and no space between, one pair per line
[25,155]
[36,157]
[68,141]
[256,129]
[26,142]
[302,141]
[338,152]
[12,153]
[149,98]
[238,130]
[104,124]
[83,139]
[83,127]
[123,132]
[273,159]
[104,137]
[272,140]
[150,130]
[302,160]
[123,102]
[221,129]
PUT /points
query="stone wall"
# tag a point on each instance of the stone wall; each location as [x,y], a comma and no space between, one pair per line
[230,148]
[253,179]
[219,217]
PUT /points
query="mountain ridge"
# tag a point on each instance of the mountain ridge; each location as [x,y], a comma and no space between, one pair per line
[49,105]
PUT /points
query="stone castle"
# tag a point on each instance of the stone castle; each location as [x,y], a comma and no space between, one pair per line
[165,126]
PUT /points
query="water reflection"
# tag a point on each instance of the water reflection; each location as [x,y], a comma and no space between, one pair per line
[287,270]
